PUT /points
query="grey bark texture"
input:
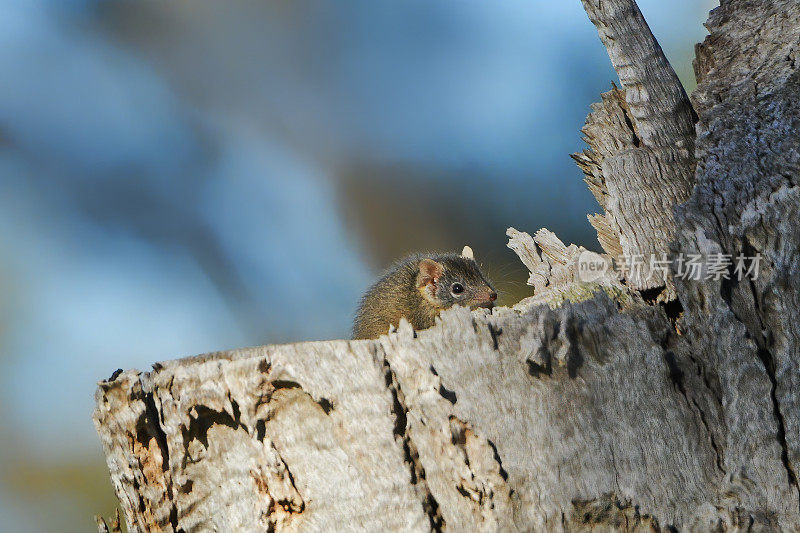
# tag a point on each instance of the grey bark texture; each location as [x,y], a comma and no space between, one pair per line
[640,162]
[629,404]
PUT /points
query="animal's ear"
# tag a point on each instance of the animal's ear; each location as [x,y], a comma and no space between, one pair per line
[429,272]
[467,252]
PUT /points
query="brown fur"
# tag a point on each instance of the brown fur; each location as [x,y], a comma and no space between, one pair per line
[420,295]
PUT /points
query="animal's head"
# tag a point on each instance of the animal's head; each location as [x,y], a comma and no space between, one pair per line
[452,279]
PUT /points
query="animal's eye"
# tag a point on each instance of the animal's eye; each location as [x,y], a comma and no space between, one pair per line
[457,288]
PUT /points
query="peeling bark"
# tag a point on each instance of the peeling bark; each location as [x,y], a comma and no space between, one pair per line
[612,404]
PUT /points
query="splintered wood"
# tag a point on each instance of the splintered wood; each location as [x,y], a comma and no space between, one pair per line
[589,413]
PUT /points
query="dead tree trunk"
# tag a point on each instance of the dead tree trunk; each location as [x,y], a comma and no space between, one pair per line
[647,402]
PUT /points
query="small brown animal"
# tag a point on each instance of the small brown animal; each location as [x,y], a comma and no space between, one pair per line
[418,288]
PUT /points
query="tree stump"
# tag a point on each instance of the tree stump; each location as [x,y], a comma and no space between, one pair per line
[641,402]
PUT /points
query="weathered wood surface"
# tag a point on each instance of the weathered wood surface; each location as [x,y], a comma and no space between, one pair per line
[745,335]
[640,160]
[586,407]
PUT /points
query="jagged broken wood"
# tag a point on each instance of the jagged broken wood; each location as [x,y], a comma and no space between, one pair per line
[640,162]
[601,410]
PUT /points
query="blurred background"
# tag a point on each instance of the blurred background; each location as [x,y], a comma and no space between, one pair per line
[178,177]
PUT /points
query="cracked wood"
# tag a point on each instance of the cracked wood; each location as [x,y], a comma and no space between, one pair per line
[585,407]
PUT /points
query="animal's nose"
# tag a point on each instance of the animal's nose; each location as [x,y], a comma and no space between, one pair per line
[493,296]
